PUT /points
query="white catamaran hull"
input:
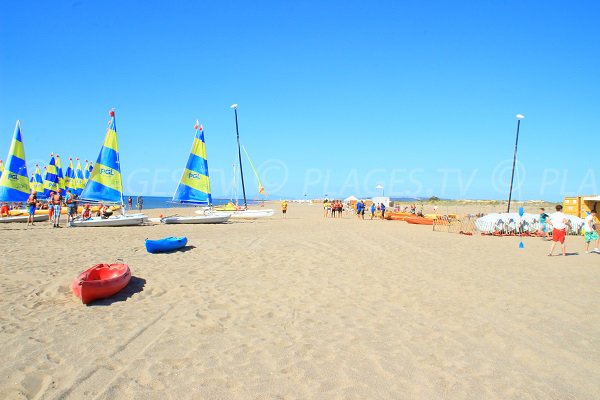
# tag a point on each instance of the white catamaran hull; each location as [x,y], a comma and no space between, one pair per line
[119,220]
[23,218]
[214,218]
[248,214]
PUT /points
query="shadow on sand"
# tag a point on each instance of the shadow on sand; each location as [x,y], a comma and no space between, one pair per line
[136,285]
[184,249]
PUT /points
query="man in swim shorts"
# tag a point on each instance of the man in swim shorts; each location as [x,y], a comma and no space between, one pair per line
[589,229]
[31,204]
[56,203]
[559,223]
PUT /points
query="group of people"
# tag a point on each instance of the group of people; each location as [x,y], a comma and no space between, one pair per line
[54,203]
[333,209]
[559,223]
[139,203]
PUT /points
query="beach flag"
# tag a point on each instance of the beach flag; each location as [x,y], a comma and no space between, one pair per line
[14,182]
[105,182]
[61,176]
[70,177]
[39,182]
[194,186]
[51,177]
[79,180]
[521,212]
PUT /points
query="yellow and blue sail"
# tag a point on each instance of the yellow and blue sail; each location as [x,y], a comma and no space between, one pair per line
[1,166]
[70,177]
[51,177]
[79,180]
[38,185]
[194,186]
[86,172]
[59,172]
[105,184]
[14,181]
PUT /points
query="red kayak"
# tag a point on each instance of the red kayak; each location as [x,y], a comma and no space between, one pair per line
[101,281]
[419,221]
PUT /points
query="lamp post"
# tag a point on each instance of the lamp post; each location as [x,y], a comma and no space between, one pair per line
[512,176]
[235,107]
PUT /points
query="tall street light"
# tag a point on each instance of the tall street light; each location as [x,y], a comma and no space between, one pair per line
[512,176]
[235,107]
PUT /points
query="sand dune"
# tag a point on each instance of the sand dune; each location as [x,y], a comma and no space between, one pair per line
[301,308]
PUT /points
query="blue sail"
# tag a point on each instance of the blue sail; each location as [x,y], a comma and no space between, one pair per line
[194,186]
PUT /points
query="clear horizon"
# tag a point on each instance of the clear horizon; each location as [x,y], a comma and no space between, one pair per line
[334,98]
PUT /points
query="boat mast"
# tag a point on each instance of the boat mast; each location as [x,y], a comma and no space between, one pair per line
[123,210]
[235,106]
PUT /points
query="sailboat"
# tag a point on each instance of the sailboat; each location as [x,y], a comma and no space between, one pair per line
[245,213]
[194,187]
[105,184]
[14,179]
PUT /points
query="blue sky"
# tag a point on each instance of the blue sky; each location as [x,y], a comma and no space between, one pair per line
[335,96]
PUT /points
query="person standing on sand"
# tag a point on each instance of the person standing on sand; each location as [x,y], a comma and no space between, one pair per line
[50,207]
[130,203]
[56,203]
[325,206]
[544,223]
[140,203]
[382,211]
[71,207]
[372,210]
[31,205]
[559,223]
[589,227]
[284,206]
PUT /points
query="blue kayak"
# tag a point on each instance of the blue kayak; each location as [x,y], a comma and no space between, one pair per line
[165,244]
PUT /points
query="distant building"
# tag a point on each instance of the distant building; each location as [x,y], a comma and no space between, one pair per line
[380,199]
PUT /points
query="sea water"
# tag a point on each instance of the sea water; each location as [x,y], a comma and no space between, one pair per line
[151,202]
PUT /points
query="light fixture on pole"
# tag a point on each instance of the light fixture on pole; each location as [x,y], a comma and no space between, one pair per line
[235,107]
[512,176]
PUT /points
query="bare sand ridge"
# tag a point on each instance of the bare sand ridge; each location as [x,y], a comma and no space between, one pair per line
[301,308]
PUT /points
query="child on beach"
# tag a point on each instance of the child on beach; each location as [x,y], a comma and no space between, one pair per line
[589,228]
[56,206]
[284,206]
[372,210]
[544,223]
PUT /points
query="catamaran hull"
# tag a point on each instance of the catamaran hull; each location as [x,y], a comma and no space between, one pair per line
[23,218]
[120,220]
[248,214]
[216,218]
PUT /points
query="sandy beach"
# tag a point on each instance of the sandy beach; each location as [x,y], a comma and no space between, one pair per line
[299,308]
